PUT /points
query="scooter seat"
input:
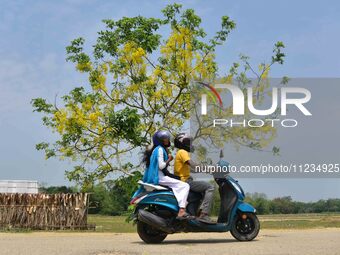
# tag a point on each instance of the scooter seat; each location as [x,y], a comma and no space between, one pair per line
[151,187]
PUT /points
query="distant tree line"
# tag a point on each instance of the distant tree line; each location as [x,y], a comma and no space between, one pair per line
[112,198]
[286,205]
[57,189]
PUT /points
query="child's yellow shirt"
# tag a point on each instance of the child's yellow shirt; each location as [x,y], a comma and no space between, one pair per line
[181,168]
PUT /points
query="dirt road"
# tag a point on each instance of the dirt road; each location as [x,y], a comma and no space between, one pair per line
[315,241]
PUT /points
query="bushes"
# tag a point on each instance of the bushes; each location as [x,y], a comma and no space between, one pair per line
[282,205]
[57,189]
[113,197]
[286,205]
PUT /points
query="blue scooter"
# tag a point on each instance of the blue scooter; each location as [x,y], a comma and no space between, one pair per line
[156,209]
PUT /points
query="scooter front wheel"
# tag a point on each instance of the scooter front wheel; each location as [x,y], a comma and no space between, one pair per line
[245,226]
[149,234]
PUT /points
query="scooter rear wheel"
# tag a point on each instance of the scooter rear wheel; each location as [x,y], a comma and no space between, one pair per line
[149,234]
[245,227]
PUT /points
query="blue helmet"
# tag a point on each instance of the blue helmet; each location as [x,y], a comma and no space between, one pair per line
[158,137]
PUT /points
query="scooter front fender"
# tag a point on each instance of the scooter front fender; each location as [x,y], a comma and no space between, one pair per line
[247,208]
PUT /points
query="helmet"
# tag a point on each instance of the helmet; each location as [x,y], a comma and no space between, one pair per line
[184,141]
[158,137]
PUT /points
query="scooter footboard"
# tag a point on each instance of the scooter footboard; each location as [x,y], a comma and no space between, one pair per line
[247,208]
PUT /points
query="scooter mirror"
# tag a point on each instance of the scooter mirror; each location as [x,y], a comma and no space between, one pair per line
[222,169]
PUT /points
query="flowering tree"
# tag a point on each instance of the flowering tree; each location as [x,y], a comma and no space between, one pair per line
[139,82]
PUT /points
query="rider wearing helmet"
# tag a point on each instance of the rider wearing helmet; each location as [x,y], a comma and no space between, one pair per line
[157,160]
[183,165]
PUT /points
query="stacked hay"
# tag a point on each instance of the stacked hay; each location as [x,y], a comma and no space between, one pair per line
[44,211]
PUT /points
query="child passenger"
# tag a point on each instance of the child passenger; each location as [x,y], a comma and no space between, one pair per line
[157,160]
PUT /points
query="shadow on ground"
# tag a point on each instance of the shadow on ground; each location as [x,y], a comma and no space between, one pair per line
[193,241]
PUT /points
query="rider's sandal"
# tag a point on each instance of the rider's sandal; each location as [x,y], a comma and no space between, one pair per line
[185,216]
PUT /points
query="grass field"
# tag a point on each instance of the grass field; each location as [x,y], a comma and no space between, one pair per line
[278,221]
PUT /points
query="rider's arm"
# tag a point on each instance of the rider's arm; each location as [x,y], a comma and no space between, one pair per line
[192,165]
[163,164]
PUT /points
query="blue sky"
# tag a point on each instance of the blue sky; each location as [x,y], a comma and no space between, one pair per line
[34,35]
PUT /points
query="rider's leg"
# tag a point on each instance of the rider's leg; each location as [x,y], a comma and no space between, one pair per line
[208,190]
[180,190]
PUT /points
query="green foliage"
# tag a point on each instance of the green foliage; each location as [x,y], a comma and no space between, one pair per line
[113,197]
[279,55]
[139,30]
[75,52]
[125,124]
[41,105]
[57,189]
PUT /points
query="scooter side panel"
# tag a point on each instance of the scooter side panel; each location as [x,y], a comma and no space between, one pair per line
[166,199]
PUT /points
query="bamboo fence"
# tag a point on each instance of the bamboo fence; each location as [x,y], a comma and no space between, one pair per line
[44,211]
